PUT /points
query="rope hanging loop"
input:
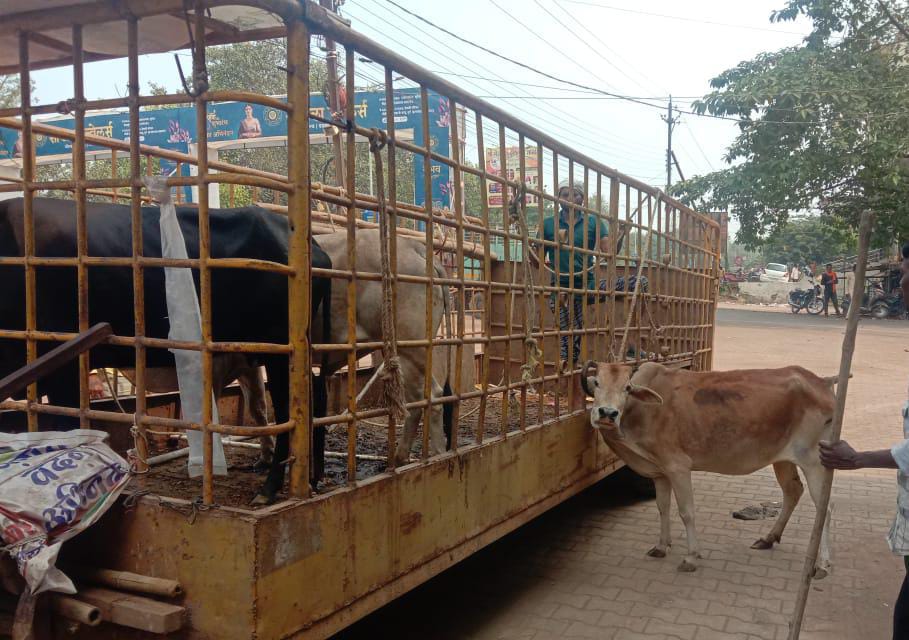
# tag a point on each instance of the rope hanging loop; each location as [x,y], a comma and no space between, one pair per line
[392,376]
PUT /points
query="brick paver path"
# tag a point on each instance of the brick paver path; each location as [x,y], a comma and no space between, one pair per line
[580,571]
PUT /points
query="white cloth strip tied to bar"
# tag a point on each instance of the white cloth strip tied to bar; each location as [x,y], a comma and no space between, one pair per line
[53,484]
[185,324]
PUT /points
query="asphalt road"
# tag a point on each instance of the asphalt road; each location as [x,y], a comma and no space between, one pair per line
[763,318]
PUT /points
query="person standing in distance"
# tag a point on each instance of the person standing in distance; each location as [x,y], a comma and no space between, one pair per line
[828,281]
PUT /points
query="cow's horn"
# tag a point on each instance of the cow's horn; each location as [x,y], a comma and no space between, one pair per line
[585,373]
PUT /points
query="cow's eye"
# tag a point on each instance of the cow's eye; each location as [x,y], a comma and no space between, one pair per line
[627,388]
[596,382]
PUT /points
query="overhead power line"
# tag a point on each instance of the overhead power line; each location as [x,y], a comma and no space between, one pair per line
[630,98]
[667,16]
[548,114]
[590,46]
[536,35]
[516,62]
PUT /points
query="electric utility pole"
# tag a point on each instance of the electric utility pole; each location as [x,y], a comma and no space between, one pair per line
[670,123]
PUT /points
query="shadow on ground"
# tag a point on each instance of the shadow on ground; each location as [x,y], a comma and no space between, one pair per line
[462,600]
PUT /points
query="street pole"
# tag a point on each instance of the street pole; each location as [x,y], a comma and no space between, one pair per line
[670,123]
[331,60]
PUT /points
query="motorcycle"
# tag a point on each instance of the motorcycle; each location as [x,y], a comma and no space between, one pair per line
[888,306]
[808,299]
[872,297]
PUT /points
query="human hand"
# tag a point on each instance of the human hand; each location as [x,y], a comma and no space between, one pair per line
[839,455]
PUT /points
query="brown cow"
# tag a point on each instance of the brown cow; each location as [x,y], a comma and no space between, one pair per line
[410,325]
[665,423]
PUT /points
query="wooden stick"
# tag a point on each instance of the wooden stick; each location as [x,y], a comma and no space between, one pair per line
[134,611]
[76,610]
[129,581]
[54,359]
[795,625]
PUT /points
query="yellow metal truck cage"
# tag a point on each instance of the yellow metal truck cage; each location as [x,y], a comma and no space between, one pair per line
[313,563]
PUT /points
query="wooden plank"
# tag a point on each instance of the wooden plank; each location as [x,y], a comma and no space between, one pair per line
[54,359]
[134,611]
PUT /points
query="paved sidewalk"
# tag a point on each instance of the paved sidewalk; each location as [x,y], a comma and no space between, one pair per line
[580,571]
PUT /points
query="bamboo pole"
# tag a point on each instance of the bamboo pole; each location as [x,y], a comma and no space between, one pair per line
[76,610]
[128,581]
[795,625]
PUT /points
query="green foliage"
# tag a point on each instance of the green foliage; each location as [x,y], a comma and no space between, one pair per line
[9,92]
[255,66]
[823,126]
[808,239]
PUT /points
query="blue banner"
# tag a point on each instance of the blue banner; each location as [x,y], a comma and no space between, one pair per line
[175,129]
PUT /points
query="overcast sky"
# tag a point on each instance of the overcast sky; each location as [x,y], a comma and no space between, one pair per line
[641,48]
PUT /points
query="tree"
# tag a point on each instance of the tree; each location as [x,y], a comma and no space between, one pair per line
[9,92]
[808,239]
[822,126]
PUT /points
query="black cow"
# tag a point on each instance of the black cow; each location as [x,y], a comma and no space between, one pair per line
[247,305]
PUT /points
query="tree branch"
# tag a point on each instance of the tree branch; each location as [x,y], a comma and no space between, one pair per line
[896,22]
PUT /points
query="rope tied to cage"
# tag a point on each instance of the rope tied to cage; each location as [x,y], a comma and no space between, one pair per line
[392,376]
[138,463]
[200,71]
[637,282]
[517,215]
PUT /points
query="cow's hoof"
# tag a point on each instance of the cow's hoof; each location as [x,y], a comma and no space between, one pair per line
[762,544]
[262,500]
[820,573]
[657,552]
[687,567]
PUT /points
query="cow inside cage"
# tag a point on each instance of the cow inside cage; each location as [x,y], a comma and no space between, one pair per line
[405,292]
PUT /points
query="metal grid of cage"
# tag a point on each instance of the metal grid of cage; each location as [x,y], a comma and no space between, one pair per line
[477,287]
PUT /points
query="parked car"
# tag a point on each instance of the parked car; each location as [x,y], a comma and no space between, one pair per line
[775,272]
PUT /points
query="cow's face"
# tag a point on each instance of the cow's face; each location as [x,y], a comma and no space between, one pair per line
[611,388]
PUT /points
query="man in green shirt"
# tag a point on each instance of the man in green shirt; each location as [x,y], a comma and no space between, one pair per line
[583,231]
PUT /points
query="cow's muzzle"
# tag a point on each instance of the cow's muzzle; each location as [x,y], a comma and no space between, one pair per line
[606,419]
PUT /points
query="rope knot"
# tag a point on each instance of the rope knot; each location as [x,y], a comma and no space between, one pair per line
[516,204]
[393,384]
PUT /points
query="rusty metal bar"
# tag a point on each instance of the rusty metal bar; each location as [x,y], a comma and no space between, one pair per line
[509,276]
[78,159]
[487,277]
[350,185]
[299,255]
[199,70]
[392,212]
[430,270]
[141,443]
[28,178]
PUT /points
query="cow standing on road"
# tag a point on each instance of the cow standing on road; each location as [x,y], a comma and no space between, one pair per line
[665,423]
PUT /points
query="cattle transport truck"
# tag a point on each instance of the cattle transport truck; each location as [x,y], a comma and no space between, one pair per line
[339,542]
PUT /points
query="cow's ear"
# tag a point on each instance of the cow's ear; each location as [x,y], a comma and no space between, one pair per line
[644,394]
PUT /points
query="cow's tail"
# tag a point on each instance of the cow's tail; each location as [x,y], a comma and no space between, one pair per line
[447,408]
